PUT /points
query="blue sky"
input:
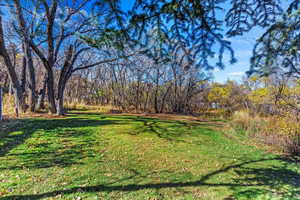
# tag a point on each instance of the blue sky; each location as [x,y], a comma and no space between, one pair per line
[242,46]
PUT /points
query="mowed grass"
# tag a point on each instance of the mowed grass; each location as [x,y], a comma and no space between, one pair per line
[95,156]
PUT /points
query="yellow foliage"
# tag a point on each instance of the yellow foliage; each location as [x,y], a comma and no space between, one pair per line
[259,95]
[219,93]
[254,78]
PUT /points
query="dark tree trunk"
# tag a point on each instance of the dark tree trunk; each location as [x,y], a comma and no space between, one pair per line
[19,98]
[19,101]
[146,101]
[164,100]
[65,74]
[51,93]
[156,92]
[31,80]
[41,96]
[23,78]
[1,116]
[60,95]
[48,61]
[156,101]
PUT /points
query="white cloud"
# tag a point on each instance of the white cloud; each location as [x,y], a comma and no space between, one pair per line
[215,70]
[236,73]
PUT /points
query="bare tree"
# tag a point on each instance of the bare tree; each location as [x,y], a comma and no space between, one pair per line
[19,98]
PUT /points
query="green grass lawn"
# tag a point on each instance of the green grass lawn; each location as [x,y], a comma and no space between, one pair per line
[95,156]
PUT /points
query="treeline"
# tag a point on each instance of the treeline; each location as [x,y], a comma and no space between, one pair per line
[139,85]
[167,89]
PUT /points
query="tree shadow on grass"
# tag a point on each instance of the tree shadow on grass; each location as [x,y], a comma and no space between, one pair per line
[171,130]
[281,182]
[252,183]
[252,179]
[57,142]
[74,144]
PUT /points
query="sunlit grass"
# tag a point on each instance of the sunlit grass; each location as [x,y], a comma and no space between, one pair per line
[95,156]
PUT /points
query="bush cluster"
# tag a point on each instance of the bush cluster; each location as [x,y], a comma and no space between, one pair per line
[282,132]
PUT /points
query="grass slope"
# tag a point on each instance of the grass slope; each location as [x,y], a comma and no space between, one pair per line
[94,156]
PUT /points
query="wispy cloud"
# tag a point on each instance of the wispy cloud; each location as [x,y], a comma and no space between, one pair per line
[215,70]
[236,74]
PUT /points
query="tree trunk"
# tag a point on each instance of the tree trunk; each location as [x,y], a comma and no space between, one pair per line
[1,116]
[31,80]
[10,87]
[19,98]
[65,74]
[60,96]
[27,58]
[60,104]
[60,93]
[41,100]
[19,101]
[42,94]
[156,92]
[156,101]
[32,100]
[23,78]
[146,101]
[41,97]
[51,93]
[49,61]
[164,100]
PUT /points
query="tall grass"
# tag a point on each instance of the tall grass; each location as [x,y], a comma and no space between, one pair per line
[8,104]
[84,107]
[281,132]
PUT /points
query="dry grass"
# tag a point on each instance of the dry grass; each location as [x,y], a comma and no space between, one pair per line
[280,132]
[90,108]
[8,104]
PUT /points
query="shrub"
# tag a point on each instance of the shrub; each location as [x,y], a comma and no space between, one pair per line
[281,132]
